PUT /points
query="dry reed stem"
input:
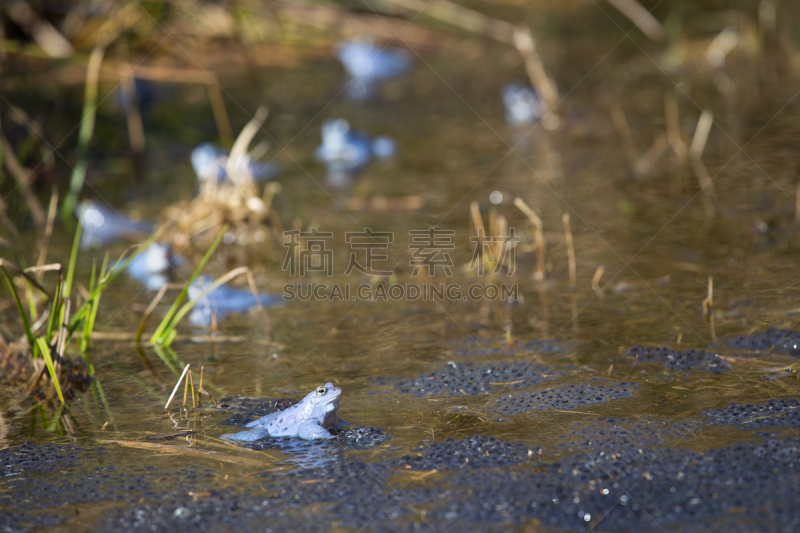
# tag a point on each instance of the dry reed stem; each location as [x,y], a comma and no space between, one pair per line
[63,333]
[150,308]
[7,221]
[41,31]
[641,17]
[191,384]
[708,311]
[133,115]
[674,129]
[502,232]
[24,177]
[19,272]
[178,384]
[573,274]
[624,131]
[186,388]
[596,281]
[44,241]
[520,37]
[538,236]
[220,112]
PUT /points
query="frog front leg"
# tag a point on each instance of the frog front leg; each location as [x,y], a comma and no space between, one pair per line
[312,430]
[246,436]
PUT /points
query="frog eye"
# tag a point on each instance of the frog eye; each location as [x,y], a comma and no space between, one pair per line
[321,391]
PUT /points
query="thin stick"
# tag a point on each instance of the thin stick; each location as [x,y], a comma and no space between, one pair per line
[133,115]
[147,312]
[477,220]
[701,132]
[186,388]
[573,274]
[191,384]
[704,124]
[252,283]
[220,113]
[44,243]
[641,17]
[628,146]
[24,177]
[18,271]
[673,128]
[518,36]
[596,281]
[538,236]
[502,232]
[526,46]
[178,384]
[708,305]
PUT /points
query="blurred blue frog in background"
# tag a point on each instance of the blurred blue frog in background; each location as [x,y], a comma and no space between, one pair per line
[346,151]
[522,104]
[369,66]
[210,161]
[152,266]
[222,301]
[102,225]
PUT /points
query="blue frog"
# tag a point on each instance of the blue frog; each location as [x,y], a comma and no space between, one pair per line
[522,104]
[101,225]
[223,301]
[308,419]
[209,163]
[369,65]
[152,266]
[346,151]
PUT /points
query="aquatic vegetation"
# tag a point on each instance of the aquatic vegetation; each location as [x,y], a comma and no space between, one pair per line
[49,331]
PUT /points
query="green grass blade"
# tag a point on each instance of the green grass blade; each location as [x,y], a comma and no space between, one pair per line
[55,320]
[73,258]
[48,360]
[167,323]
[25,323]
[85,133]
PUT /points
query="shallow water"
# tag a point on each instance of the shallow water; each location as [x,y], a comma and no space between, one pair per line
[653,236]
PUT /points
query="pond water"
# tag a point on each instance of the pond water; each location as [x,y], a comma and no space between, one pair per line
[574,432]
